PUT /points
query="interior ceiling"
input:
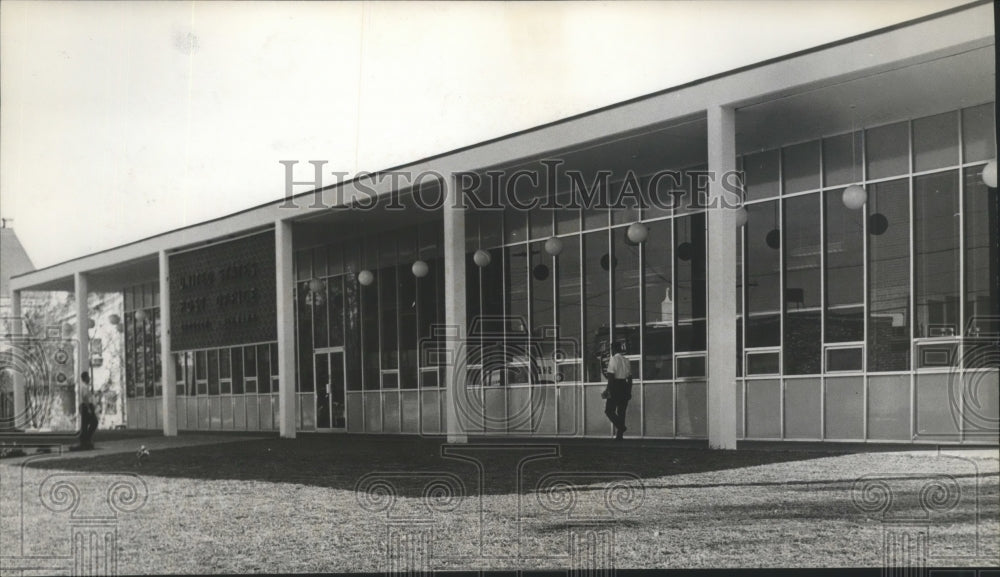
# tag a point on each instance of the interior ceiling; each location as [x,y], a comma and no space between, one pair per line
[913,91]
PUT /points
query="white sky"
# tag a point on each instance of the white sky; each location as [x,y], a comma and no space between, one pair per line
[121,120]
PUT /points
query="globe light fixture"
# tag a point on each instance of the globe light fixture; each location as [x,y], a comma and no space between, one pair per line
[140,315]
[855,197]
[315,285]
[554,246]
[366,277]
[482,258]
[638,232]
[990,174]
[741,217]
[420,269]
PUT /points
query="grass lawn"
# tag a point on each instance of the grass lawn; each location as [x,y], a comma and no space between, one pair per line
[274,505]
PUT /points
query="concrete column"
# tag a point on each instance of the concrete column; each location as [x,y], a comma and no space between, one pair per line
[285,281]
[721,281]
[17,332]
[168,375]
[454,305]
[82,338]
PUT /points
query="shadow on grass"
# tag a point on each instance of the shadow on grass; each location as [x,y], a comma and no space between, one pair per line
[407,463]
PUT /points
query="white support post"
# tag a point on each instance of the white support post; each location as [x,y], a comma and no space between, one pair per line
[17,331]
[168,374]
[283,258]
[82,338]
[721,281]
[454,304]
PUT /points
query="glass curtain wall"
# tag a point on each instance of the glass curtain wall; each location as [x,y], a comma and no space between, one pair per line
[888,292]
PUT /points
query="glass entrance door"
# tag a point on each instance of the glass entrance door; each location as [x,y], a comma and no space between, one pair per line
[330,408]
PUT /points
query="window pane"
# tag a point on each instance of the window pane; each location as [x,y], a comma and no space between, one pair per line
[763,364]
[888,150]
[225,364]
[763,260]
[842,159]
[213,372]
[936,239]
[689,270]
[844,251]
[352,328]
[515,224]
[935,141]
[407,327]
[888,277]
[201,371]
[845,324]
[568,298]
[250,368]
[335,310]
[263,369]
[237,353]
[761,174]
[802,251]
[567,219]
[844,359]
[982,253]
[690,367]
[542,278]
[625,281]
[539,218]
[369,334]
[597,262]
[658,340]
[802,343]
[800,165]
[978,128]
[389,330]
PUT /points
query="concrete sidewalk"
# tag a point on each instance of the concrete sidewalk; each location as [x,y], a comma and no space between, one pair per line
[131,444]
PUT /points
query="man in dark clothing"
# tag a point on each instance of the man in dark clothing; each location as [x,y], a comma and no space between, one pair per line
[88,418]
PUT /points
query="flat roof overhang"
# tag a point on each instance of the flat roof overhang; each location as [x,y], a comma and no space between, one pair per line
[929,65]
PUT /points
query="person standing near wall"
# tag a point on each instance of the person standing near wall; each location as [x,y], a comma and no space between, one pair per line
[619,390]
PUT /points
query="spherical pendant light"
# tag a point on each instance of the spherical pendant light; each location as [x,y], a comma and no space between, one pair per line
[741,217]
[990,174]
[482,258]
[420,269]
[855,196]
[554,246]
[638,232]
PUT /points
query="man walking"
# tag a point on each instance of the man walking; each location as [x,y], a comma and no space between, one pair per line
[619,390]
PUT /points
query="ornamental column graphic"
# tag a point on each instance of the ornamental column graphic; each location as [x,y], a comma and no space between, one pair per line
[721,274]
[167,373]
